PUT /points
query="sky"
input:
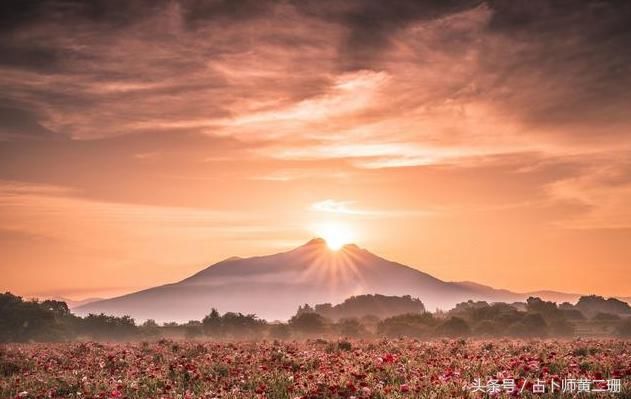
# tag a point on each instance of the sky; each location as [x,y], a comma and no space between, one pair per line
[141,141]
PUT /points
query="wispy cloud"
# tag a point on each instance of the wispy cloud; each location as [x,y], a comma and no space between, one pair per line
[348,208]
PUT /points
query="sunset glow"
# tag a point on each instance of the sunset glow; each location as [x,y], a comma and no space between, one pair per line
[336,234]
[141,141]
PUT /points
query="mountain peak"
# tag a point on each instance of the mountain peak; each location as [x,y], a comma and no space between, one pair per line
[319,242]
[316,241]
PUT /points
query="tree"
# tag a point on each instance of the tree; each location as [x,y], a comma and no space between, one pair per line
[212,323]
[555,318]
[58,307]
[593,304]
[454,327]
[351,328]
[308,323]
[22,321]
[537,305]
[238,325]
[408,325]
[102,326]
[488,328]
[572,314]
[150,328]
[531,325]
[381,306]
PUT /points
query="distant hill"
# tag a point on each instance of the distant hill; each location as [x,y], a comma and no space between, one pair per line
[72,304]
[509,296]
[273,286]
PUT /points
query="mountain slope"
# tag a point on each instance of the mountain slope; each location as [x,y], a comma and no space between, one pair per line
[273,286]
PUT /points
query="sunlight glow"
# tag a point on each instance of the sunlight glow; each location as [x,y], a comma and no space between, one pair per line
[336,234]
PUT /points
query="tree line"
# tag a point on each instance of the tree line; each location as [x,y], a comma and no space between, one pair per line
[363,316]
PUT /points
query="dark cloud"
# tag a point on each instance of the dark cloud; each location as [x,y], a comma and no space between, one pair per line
[18,13]
[29,56]
[563,64]
[20,122]
[371,23]
[199,12]
[21,14]
[25,45]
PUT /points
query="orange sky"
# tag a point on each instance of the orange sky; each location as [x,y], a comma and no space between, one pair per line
[482,141]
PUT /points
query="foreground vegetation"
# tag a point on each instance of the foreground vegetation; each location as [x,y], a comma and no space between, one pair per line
[401,368]
[325,351]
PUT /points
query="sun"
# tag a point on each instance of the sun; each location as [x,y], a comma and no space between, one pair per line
[336,234]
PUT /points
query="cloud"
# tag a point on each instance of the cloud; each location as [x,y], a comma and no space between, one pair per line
[346,208]
[561,65]
[18,14]
[200,12]
[372,24]
[602,191]
[17,122]
[332,206]
[441,72]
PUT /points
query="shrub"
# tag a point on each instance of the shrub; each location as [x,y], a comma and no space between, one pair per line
[308,323]
[531,325]
[624,328]
[454,327]
[410,325]
[280,331]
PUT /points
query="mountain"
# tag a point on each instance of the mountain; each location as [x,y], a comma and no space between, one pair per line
[72,304]
[510,296]
[273,286]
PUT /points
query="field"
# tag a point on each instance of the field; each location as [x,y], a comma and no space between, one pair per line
[402,368]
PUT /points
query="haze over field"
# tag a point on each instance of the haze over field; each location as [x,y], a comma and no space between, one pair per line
[483,140]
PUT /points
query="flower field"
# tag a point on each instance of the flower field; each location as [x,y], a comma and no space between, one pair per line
[402,368]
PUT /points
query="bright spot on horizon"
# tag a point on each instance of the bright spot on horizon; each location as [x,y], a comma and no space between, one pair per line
[336,234]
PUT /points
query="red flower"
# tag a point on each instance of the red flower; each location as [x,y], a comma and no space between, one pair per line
[389,358]
[260,389]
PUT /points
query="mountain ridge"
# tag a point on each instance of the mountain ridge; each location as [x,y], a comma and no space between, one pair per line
[273,286]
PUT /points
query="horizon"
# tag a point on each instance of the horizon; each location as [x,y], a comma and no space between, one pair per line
[482,141]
